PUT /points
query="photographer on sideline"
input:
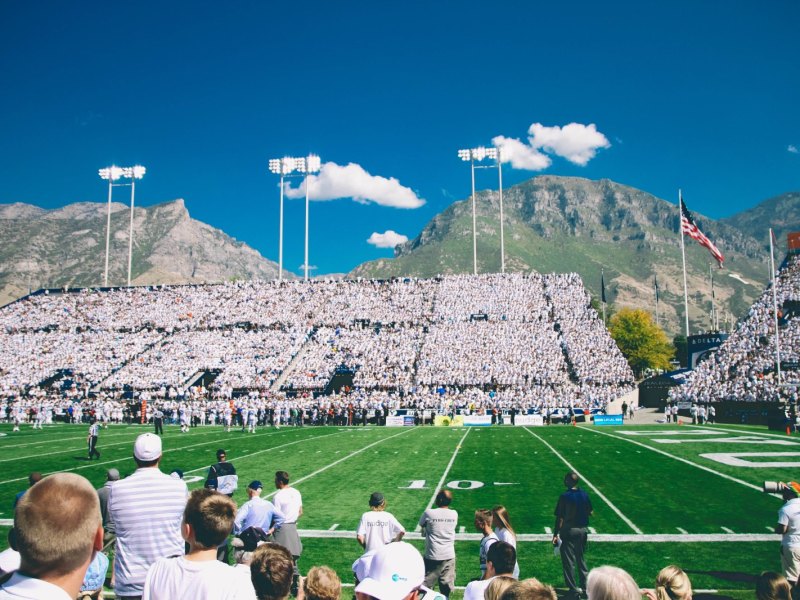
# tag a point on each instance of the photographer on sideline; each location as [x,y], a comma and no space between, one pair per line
[789,527]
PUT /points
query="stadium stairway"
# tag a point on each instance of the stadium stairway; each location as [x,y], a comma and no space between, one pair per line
[642,416]
[281,379]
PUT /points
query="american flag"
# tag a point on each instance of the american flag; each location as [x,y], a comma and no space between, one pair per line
[688,227]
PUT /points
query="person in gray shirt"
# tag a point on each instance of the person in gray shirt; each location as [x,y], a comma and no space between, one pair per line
[439,528]
[112,476]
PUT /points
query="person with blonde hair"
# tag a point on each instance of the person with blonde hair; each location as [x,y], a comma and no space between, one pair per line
[321,583]
[611,583]
[57,532]
[773,586]
[529,589]
[671,584]
[504,531]
[498,586]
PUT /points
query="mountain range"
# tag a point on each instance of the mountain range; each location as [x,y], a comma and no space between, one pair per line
[551,224]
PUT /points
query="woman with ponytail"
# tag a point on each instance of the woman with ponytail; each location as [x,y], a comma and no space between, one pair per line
[671,584]
[505,533]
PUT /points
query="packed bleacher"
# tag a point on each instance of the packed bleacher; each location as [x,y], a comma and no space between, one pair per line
[532,341]
[744,367]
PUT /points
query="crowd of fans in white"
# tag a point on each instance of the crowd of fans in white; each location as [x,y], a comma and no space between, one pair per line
[534,340]
[744,366]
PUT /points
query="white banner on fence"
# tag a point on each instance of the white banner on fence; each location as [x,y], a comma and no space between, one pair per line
[529,420]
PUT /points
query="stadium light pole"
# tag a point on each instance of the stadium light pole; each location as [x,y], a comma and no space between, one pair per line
[310,164]
[498,157]
[472,155]
[132,173]
[283,167]
[111,174]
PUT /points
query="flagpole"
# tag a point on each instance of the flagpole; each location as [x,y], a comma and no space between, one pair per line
[655,286]
[603,294]
[683,256]
[713,308]
[775,306]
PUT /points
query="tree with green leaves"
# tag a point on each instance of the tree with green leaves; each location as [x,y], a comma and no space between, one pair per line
[643,343]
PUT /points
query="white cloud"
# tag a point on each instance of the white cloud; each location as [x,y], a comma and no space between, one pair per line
[793,149]
[352,181]
[390,239]
[520,154]
[576,142]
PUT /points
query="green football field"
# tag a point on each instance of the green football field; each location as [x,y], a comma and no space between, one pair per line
[662,494]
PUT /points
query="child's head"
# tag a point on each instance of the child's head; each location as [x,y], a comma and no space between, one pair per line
[483,519]
[773,586]
[208,518]
[377,501]
[322,583]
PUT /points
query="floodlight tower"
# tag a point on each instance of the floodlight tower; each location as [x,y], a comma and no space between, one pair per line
[283,167]
[132,173]
[111,174]
[473,155]
[310,164]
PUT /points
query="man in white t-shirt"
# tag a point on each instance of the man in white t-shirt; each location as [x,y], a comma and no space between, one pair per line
[207,522]
[789,527]
[378,527]
[439,528]
[500,560]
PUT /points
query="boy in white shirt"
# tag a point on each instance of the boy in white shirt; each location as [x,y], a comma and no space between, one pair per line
[207,522]
[378,527]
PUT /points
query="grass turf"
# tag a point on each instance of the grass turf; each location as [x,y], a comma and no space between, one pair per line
[638,484]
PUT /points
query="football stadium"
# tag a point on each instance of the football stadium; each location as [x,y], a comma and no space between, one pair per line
[491,386]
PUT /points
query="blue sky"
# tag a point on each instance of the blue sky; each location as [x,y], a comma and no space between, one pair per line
[691,94]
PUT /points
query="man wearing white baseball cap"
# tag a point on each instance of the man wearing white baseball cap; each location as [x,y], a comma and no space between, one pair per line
[147,509]
[396,572]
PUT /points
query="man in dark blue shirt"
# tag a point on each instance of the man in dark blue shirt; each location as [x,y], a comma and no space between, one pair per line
[572,522]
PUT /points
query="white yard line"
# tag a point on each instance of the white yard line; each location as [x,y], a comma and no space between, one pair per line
[589,484]
[444,475]
[682,530]
[600,537]
[782,436]
[130,458]
[344,458]
[727,529]
[678,458]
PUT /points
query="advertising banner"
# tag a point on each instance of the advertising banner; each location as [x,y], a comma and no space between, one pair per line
[446,421]
[478,420]
[608,419]
[400,421]
[529,420]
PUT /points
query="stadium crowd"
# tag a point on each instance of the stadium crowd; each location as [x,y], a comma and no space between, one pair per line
[475,343]
[743,368]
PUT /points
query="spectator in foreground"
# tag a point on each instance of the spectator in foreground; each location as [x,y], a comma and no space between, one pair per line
[147,509]
[321,583]
[504,531]
[611,583]
[497,586]
[671,584]
[207,521]
[483,523]
[439,529]
[397,572]
[112,476]
[271,572]
[529,589]
[773,586]
[500,559]
[57,531]
[378,527]
[571,526]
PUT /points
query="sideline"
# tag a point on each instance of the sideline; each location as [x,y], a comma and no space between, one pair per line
[679,458]
[589,483]
[130,458]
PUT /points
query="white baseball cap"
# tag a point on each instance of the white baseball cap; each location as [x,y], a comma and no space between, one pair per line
[395,571]
[147,447]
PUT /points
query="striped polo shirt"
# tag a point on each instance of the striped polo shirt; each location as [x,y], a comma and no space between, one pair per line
[147,509]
